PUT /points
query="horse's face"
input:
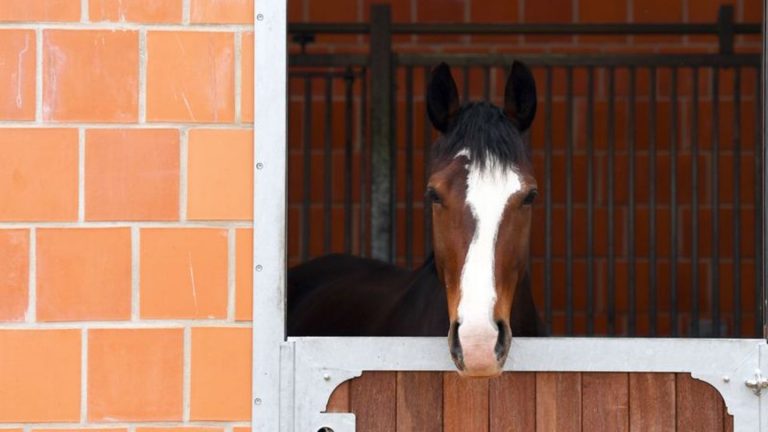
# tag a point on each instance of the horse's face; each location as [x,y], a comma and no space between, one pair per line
[481,188]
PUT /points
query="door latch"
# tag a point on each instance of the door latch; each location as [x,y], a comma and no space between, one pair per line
[758,383]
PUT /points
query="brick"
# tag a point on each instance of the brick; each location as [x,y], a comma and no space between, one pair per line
[132,174]
[135,374]
[17,69]
[90,75]
[83,274]
[183,273]
[753,11]
[14,274]
[221,374]
[155,11]
[401,9]
[548,11]
[82,430]
[221,11]
[220,174]
[179,429]
[243,275]
[246,91]
[38,174]
[342,11]
[39,376]
[190,76]
[650,11]
[493,11]
[40,10]
[706,10]
[600,11]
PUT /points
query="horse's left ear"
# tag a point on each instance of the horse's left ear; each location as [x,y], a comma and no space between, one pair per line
[520,96]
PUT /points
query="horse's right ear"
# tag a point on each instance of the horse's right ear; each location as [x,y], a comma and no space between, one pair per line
[442,98]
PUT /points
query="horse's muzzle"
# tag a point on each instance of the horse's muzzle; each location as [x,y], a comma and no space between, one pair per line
[479,351]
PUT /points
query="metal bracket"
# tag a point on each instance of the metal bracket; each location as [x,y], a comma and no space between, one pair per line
[758,383]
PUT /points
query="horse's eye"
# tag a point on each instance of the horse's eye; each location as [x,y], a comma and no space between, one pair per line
[530,197]
[433,196]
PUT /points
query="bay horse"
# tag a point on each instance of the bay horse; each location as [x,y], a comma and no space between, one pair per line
[475,286]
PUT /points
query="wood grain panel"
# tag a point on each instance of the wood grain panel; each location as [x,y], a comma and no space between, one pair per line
[605,401]
[513,402]
[339,400]
[558,402]
[465,404]
[652,402]
[372,398]
[419,402]
[699,406]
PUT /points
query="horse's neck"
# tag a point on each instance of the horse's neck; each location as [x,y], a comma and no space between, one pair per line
[422,310]
[524,319]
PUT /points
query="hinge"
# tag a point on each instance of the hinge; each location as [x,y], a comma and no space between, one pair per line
[758,383]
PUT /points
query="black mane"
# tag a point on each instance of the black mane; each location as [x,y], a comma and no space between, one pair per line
[487,133]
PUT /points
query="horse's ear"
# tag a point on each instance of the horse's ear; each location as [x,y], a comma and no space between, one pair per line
[442,98]
[520,96]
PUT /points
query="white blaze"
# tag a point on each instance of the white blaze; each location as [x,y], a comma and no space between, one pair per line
[488,190]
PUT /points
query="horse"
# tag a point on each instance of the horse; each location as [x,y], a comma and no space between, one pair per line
[475,285]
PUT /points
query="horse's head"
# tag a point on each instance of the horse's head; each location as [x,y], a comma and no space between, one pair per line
[481,188]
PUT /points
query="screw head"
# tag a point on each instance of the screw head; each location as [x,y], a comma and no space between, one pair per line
[326,377]
[257,401]
[726,379]
[259,268]
[259,165]
[260,17]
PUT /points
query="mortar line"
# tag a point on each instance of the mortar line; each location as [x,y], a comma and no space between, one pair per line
[81,175]
[143,76]
[231,275]
[31,314]
[84,377]
[38,75]
[183,174]
[238,76]
[135,273]
[187,385]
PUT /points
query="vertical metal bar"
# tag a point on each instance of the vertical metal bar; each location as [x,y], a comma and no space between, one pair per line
[590,202]
[349,81]
[427,144]
[365,179]
[760,191]
[381,132]
[695,204]
[736,220]
[569,201]
[548,209]
[307,175]
[328,164]
[632,320]
[611,168]
[487,83]
[715,202]
[673,201]
[652,294]
[465,95]
[409,166]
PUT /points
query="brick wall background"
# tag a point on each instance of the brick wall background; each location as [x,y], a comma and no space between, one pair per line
[125,197]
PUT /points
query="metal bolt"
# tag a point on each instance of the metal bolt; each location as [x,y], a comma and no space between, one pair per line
[257,401]
[326,377]
[726,378]
[259,165]
[259,268]
[260,17]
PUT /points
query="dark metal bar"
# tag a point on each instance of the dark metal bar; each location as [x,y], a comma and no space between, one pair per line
[632,319]
[349,81]
[365,186]
[736,220]
[715,200]
[695,204]
[760,191]
[409,167]
[725,28]
[381,133]
[487,82]
[307,175]
[611,179]
[760,102]
[569,202]
[673,201]
[427,144]
[652,292]
[548,196]
[465,90]
[590,203]
[328,165]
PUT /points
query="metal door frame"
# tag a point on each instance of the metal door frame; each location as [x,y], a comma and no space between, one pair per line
[293,378]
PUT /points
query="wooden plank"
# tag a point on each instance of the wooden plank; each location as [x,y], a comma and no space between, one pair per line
[372,398]
[728,426]
[339,400]
[652,402]
[699,406]
[419,402]
[558,402]
[513,402]
[605,401]
[465,404]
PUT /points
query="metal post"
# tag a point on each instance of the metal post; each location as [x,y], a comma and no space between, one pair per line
[725,29]
[381,132]
[763,82]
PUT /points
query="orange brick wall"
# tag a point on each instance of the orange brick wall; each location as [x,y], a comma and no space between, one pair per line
[125,209]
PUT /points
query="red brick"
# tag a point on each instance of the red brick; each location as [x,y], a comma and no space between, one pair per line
[155,11]
[548,12]
[14,274]
[221,11]
[40,10]
[38,174]
[221,374]
[40,376]
[132,174]
[246,98]
[135,374]
[190,76]
[83,274]
[706,10]
[90,75]
[243,275]
[17,69]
